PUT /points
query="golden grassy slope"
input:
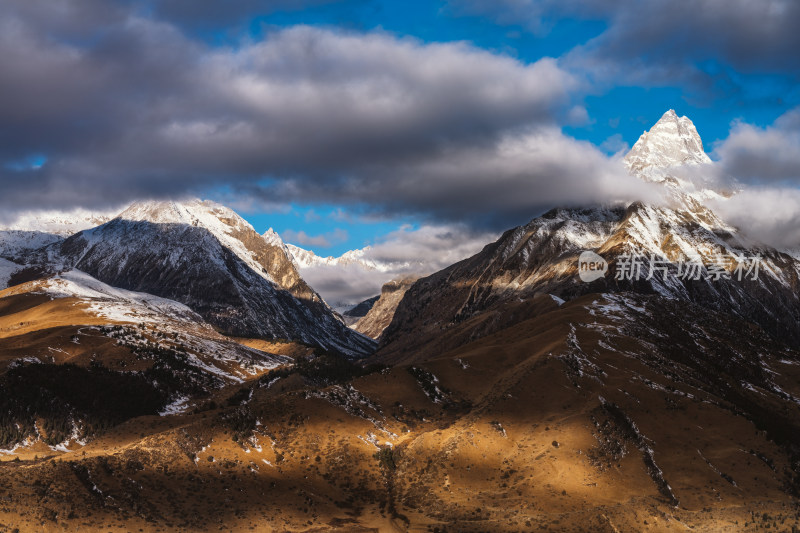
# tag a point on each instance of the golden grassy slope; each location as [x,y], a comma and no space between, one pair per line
[518,441]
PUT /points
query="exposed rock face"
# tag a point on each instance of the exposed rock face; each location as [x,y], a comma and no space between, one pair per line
[207,257]
[542,256]
[382,312]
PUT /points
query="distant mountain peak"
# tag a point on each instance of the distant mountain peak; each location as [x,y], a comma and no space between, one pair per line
[359,257]
[672,141]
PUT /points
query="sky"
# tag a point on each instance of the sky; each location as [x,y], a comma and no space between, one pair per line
[343,124]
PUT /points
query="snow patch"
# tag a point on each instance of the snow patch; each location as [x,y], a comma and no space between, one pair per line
[176,407]
[117,304]
[7,269]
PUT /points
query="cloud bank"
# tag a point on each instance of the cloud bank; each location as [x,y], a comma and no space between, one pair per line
[106,102]
[763,164]
[725,54]
[116,105]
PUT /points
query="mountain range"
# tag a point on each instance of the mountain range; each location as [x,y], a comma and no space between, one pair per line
[630,367]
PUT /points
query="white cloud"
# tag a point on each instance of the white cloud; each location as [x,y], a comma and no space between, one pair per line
[770,215]
[428,248]
[406,251]
[763,164]
[615,144]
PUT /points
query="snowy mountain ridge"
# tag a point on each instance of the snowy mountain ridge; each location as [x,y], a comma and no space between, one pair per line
[360,257]
[60,223]
[32,230]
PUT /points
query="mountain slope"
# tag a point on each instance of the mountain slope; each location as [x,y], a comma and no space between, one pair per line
[78,356]
[598,414]
[205,256]
[358,311]
[521,397]
[7,269]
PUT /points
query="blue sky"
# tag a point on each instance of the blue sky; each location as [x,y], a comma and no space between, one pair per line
[320,223]
[339,122]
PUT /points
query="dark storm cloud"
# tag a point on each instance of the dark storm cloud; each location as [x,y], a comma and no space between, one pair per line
[496,185]
[125,106]
[72,20]
[669,42]
[662,40]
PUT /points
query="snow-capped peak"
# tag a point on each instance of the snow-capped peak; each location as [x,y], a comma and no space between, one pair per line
[670,142]
[192,212]
[223,223]
[671,154]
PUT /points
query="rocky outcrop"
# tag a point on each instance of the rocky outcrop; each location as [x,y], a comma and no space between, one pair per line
[382,312]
